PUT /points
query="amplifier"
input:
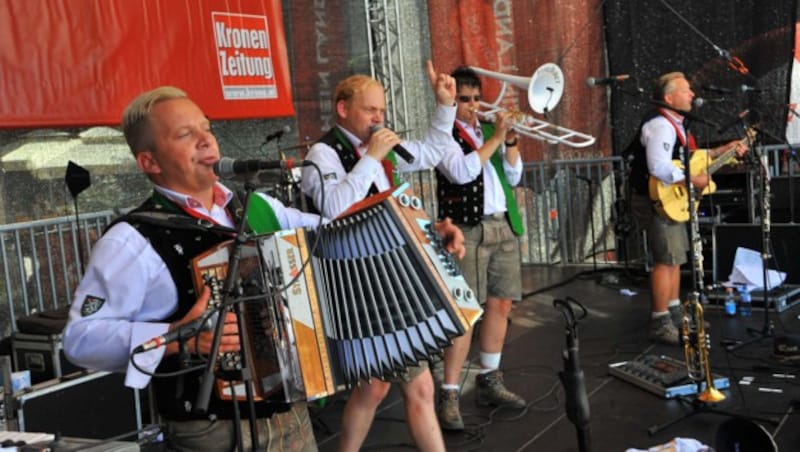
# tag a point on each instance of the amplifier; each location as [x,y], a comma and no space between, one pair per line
[663,376]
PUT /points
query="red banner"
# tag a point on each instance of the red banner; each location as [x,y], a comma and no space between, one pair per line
[79,62]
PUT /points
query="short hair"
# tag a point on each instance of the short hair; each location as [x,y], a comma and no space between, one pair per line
[349,87]
[136,118]
[466,76]
[664,84]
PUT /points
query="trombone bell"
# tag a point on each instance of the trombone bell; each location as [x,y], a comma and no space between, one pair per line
[544,90]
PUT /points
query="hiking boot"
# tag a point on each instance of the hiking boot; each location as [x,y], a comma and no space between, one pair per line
[676,314]
[448,412]
[662,330]
[491,391]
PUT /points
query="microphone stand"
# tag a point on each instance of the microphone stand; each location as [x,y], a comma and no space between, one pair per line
[762,170]
[577,401]
[696,296]
[244,374]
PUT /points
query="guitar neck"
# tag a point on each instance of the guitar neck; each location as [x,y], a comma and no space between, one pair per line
[720,161]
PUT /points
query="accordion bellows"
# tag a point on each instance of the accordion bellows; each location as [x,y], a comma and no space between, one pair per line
[365,296]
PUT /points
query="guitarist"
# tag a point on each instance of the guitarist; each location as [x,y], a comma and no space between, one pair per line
[660,137]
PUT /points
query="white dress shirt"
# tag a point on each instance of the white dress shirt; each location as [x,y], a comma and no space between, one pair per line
[138,292]
[494,199]
[658,138]
[343,189]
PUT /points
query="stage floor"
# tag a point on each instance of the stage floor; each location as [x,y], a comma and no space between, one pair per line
[621,412]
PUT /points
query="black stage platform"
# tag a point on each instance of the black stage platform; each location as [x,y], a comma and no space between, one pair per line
[621,412]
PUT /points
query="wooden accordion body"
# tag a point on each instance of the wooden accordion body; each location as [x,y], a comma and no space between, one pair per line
[366,296]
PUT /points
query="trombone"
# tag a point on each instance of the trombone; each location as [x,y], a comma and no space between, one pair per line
[544,91]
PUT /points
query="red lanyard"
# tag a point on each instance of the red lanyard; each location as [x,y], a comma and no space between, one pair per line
[692,145]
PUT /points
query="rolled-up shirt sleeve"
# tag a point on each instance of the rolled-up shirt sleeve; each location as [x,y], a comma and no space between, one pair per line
[513,172]
[658,138]
[118,304]
[434,145]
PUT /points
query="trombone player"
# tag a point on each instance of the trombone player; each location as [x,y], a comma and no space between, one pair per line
[475,190]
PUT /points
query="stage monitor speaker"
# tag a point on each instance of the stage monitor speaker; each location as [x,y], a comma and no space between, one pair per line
[785,239]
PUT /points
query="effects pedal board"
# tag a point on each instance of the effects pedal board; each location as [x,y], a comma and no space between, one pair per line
[664,376]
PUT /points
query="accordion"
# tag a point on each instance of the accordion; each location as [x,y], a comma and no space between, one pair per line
[365,296]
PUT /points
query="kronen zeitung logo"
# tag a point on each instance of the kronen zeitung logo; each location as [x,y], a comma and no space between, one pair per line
[244,56]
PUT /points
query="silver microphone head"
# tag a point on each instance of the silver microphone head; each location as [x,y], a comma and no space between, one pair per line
[698,102]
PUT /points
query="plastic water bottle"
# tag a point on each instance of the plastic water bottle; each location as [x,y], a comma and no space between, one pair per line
[730,302]
[745,304]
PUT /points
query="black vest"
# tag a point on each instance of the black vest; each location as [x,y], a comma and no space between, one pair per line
[347,156]
[463,203]
[636,154]
[177,246]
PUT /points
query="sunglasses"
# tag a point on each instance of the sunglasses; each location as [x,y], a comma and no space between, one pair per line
[465,99]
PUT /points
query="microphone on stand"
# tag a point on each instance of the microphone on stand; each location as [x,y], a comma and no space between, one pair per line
[186,331]
[277,134]
[698,102]
[227,167]
[398,148]
[716,89]
[592,81]
[746,88]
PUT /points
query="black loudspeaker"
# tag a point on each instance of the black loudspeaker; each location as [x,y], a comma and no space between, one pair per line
[94,405]
[785,239]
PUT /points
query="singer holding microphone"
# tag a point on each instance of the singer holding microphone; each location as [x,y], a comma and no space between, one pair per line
[658,142]
[138,282]
[358,158]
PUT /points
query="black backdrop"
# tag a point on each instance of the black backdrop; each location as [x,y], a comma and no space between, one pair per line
[646,38]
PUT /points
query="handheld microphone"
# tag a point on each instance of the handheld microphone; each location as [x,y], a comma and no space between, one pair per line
[227,167]
[277,134]
[740,117]
[592,82]
[398,148]
[716,89]
[186,331]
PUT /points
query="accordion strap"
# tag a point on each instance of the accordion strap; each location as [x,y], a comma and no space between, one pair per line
[179,221]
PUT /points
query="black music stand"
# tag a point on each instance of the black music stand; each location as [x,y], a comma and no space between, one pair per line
[77,179]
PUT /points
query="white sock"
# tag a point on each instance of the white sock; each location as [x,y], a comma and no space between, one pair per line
[451,387]
[490,362]
[655,315]
[673,303]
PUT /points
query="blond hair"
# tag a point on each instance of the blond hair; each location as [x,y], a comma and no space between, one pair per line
[665,84]
[349,87]
[136,118]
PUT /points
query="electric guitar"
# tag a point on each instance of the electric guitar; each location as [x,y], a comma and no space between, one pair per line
[672,200]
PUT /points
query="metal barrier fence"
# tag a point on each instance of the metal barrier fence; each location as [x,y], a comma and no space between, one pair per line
[570,208]
[42,263]
[567,207]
